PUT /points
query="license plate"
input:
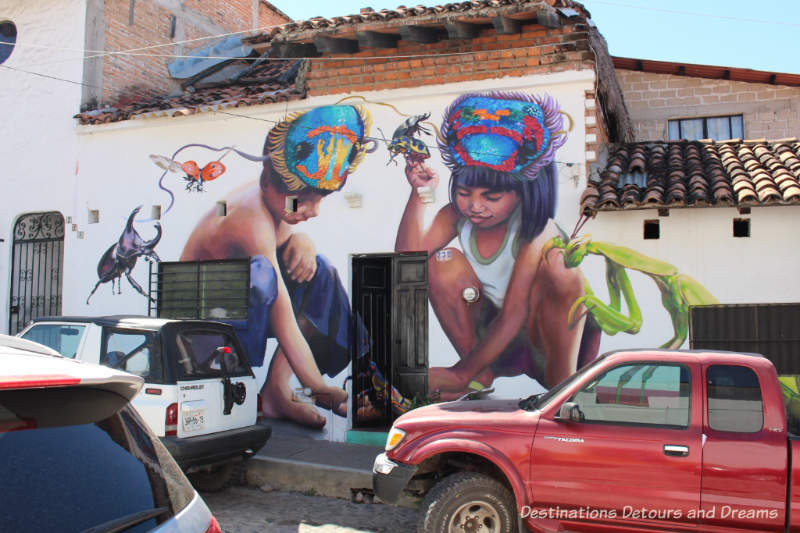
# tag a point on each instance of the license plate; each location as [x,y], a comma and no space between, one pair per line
[194,420]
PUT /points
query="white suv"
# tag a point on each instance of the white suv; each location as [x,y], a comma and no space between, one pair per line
[77,457]
[200,395]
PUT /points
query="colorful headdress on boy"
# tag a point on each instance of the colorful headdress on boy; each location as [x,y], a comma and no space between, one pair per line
[508,133]
[320,147]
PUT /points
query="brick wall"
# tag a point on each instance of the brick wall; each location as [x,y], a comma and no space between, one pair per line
[769,111]
[533,51]
[126,77]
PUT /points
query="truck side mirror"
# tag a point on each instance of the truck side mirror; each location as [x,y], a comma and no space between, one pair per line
[570,411]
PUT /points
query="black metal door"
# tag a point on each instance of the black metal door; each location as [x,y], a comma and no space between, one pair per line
[36,268]
[372,291]
[390,294]
[410,325]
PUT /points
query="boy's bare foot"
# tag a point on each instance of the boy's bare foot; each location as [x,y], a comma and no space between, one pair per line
[279,402]
[332,398]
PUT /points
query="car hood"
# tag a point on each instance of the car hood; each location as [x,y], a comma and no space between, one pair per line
[468,414]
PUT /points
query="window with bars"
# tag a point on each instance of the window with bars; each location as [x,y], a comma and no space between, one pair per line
[717,128]
[203,289]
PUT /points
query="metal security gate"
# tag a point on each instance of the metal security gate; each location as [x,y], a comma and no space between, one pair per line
[36,268]
[772,330]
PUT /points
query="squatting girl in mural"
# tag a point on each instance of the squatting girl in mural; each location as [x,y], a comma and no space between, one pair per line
[500,149]
[296,296]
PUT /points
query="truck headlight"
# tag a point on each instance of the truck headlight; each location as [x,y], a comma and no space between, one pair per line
[395,437]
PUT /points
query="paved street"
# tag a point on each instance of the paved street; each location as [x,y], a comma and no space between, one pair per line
[250,510]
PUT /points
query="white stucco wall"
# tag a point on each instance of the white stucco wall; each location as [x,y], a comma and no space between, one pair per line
[699,242]
[39,145]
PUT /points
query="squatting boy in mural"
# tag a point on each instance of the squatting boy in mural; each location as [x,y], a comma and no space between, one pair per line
[500,149]
[295,295]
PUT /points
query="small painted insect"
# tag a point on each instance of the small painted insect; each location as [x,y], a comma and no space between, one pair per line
[195,176]
[404,140]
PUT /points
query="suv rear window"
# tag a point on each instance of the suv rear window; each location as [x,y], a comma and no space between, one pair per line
[78,458]
[62,338]
[198,358]
[137,352]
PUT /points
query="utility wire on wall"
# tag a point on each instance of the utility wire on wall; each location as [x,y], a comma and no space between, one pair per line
[249,117]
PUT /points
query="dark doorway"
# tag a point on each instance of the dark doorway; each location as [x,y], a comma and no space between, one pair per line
[36,268]
[390,294]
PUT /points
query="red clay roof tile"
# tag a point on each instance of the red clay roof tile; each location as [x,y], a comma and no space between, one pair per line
[698,174]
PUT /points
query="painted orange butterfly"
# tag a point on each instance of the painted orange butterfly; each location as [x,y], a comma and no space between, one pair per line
[195,176]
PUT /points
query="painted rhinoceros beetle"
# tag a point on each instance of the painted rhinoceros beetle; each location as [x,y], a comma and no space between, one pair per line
[120,258]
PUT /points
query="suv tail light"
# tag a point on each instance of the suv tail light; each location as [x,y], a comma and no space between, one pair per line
[213,527]
[259,412]
[171,422]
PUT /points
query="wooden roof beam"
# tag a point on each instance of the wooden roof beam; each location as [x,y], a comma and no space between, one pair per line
[334,45]
[548,17]
[462,30]
[287,49]
[374,39]
[419,34]
[506,26]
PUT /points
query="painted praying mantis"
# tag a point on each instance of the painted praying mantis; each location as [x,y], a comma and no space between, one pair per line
[678,291]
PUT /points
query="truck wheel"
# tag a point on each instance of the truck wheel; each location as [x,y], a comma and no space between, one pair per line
[468,502]
[218,478]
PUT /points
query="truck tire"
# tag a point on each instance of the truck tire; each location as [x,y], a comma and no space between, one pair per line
[468,501]
[218,478]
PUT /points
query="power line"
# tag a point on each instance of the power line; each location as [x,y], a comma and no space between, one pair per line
[249,117]
[693,14]
[133,51]
[323,59]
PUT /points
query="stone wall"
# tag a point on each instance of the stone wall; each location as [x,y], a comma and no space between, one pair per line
[769,111]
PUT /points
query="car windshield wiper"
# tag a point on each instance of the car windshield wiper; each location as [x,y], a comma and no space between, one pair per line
[126,522]
[529,402]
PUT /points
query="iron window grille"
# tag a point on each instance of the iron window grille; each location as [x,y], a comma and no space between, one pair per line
[201,289]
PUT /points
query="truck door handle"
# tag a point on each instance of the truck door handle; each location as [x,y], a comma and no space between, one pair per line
[676,450]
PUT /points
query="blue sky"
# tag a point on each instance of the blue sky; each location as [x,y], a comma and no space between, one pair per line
[759,35]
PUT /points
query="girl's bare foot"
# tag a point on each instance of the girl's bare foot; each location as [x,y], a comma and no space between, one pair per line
[445,380]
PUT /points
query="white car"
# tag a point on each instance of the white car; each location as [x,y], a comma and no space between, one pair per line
[200,394]
[77,457]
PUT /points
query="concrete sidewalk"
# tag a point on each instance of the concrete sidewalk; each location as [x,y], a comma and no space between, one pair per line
[315,467]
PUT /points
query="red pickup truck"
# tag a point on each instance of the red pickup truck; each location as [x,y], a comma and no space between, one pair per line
[647,440]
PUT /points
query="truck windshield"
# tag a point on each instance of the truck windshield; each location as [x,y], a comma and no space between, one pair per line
[538,401]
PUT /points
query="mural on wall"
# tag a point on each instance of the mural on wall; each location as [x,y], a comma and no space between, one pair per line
[504,279]
[508,304]
[499,148]
[121,257]
[405,142]
[678,291]
[296,296]
[194,176]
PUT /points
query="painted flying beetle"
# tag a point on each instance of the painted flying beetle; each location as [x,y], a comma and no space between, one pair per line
[404,140]
[678,291]
[121,257]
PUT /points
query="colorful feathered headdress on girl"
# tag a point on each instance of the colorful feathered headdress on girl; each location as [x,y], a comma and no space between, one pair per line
[509,133]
